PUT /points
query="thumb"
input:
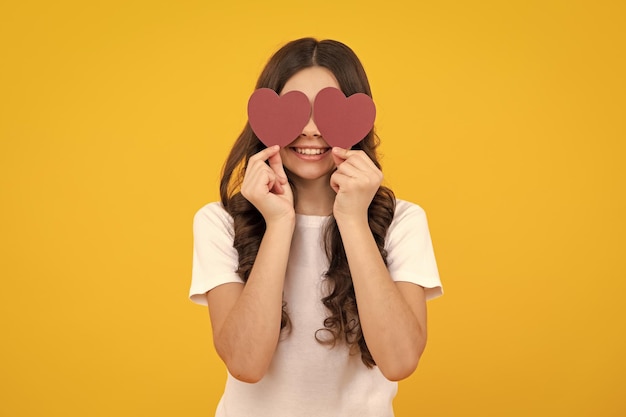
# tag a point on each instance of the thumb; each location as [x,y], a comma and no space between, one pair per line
[339,155]
[276,163]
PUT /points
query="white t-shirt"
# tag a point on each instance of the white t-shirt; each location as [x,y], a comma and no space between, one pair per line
[305,377]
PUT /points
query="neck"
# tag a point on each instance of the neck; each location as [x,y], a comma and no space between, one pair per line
[314,198]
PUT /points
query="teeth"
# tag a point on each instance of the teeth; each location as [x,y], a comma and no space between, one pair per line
[310,151]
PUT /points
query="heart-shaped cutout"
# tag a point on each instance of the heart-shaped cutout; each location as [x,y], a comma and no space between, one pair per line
[343,121]
[278,120]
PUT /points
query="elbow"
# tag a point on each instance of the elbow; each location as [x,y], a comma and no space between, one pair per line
[402,365]
[400,370]
[245,371]
[249,371]
[250,376]
[245,365]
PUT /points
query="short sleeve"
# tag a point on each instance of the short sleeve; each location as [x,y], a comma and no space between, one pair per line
[410,255]
[215,260]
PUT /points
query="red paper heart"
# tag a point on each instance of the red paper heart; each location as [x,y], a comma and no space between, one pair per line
[278,120]
[343,121]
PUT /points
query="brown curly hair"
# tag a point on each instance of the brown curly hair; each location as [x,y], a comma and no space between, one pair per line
[342,322]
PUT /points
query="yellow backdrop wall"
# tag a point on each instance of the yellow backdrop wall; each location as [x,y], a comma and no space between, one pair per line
[504,120]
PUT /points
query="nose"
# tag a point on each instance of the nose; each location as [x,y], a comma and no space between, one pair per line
[310,129]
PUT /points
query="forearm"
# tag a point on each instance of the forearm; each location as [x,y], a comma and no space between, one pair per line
[395,332]
[248,336]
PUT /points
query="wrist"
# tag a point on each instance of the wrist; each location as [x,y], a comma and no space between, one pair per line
[352,221]
[285,222]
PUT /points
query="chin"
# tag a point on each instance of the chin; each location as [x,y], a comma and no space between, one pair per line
[311,175]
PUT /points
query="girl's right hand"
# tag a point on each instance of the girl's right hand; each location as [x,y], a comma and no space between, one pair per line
[266,186]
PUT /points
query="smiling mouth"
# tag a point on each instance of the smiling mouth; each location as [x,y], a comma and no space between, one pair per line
[311,151]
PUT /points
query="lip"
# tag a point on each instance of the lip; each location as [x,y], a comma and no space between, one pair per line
[305,157]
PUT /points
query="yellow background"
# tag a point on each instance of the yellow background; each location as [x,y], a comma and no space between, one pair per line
[504,120]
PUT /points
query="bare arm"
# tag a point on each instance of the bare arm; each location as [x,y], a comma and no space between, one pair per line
[246,319]
[392,315]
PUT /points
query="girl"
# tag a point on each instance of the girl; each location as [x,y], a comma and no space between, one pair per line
[315,276]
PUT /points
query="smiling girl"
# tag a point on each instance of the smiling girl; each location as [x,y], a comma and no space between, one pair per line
[315,275]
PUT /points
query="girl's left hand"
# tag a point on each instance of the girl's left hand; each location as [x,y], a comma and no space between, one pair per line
[355,181]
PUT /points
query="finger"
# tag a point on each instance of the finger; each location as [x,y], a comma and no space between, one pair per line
[337,180]
[359,160]
[347,153]
[369,162]
[265,154]
[334,184]
[275,186]
[340,152]
[267,179]
[259,176]
[256,183]
[349,169]
[276,163]
[338,155]
[354,156]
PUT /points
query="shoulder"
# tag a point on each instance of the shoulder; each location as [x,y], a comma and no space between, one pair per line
[212,216]
[409,221]
[406,208]
[411,257]
[407,212]
[213,209]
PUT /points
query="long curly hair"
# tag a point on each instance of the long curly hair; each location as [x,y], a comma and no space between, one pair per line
[342,322]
